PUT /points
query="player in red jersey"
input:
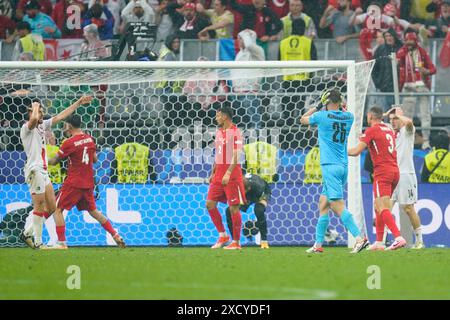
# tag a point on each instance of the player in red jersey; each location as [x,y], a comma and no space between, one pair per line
[226,182]
[380,140]
[78,187]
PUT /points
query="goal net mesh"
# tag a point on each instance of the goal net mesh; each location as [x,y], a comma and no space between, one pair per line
[154,129]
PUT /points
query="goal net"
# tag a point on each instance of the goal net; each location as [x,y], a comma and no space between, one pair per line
[154,127]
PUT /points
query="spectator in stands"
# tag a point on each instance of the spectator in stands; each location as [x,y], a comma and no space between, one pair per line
[382,70]
[40,22]
[28,42]
[259,18]
[435,7]
[171,49]
[295,12]
[115,7]
[222,20]
[279,7]
[189,23]
[45,6]
[60,16]
[443,23]
[247,89]
[340,20]
[93,48]
[400,25]
[416,68]
[140,12]
[100,15]
[7,26]
[419,11]
[436,167]
[297,47]
[165,25]
[6,9]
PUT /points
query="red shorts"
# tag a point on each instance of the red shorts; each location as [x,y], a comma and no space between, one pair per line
[68,197]
[233,193]
[384,185]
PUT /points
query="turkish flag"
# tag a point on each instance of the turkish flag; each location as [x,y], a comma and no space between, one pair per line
[51,50]
[444,55]
[62,49]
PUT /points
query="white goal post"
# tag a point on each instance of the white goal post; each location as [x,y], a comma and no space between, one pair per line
[129,84]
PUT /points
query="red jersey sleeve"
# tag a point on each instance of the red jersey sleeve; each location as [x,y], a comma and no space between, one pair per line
[65,150]
[366,137]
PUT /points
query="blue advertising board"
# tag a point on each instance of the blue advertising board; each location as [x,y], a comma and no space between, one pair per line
[144,213]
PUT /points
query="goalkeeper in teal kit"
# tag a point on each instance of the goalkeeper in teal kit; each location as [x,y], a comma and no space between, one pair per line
[334,126]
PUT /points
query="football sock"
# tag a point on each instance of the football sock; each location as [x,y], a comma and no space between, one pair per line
[229,221]
[418,233]
[349,223]
[321,229]
[390,222]
[237,225]
[261,221]
[216,219]
[108,227]
[61,232]
[38,222]
[379,226]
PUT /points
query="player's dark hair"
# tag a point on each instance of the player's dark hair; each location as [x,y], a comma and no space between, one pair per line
[228,111]
[298,27]
[377,112]
[74,120]
[441,140]
[23,25]
[335,96]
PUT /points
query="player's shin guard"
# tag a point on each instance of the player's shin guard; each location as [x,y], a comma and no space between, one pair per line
[38,222]
[379,227]
[237,225]
[321,229]
[217,219]
[390,222]
[260,213]
[349,223]
[109,228]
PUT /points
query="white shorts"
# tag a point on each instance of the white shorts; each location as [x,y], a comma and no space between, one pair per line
[406,191]
[37,179]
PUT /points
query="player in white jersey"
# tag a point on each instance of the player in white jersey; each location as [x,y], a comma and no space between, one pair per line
[32,135]
[406,192]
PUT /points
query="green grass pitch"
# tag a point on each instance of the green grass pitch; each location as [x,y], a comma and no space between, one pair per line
[201,273]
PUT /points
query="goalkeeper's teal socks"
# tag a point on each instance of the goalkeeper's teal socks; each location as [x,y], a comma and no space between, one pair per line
[321,229]
[349,223]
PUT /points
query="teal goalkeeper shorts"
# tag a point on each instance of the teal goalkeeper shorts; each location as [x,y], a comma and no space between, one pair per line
[334,179]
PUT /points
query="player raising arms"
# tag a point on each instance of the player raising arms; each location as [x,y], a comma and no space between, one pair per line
[78,187]
[226,182]
[406,192]
[32,135]
[257,192]
[333,127]
[380,140]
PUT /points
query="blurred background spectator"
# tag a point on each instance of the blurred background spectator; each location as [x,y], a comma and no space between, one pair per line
[188,23]
[7,25]
[40,23]
[436,167]
[100,15]
[382,70]
[296,12]
[415,73]
[45,6]
[165,24]
[339,19]
[28,42]
[137,11]
[115,7]
[94,48]
[443,21]
[222,20]
[261,19]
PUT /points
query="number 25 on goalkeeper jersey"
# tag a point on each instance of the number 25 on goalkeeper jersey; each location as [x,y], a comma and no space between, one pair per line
[333,128]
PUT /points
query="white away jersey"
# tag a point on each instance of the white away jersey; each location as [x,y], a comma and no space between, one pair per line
[404,142]
[34,144]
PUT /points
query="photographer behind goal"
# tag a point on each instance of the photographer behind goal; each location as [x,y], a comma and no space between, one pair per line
[257,192]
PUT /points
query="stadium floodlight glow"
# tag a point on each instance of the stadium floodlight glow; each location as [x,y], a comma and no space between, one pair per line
[158,104]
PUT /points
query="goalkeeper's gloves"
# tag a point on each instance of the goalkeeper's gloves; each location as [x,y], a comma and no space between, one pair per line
[319,106]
